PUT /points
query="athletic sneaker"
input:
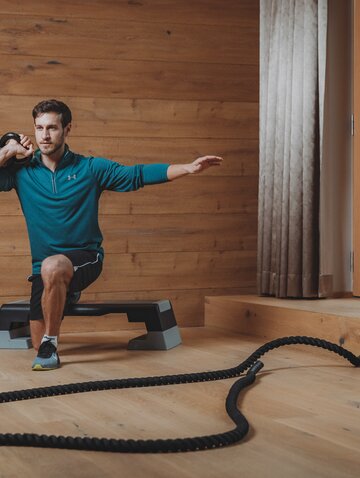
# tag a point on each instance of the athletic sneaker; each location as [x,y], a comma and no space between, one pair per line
[47,357]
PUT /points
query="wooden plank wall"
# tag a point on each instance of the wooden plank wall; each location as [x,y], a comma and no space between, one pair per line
[147,81]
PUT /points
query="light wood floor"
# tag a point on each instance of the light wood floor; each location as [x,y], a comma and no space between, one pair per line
[304,410]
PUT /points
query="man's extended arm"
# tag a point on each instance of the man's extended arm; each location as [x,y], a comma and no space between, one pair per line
[116,177]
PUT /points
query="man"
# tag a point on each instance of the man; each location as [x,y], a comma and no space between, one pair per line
[59,193]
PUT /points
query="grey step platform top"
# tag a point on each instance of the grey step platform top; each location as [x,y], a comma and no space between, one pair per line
[157,315]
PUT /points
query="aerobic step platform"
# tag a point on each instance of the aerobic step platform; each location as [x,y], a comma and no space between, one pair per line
[158,316]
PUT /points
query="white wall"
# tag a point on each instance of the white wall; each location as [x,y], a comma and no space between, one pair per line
[337,153]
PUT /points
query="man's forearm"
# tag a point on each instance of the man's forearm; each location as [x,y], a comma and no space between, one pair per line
[5,153]
[177,171]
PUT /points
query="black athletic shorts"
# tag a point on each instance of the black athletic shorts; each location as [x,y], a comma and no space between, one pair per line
[87,268]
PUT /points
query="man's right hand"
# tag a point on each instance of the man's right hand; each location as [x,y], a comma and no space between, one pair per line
[12,148]
[25,148]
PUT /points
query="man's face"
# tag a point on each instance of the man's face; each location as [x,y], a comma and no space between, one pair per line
[49,133]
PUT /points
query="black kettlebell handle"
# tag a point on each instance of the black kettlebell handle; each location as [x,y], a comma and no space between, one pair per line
[19,162]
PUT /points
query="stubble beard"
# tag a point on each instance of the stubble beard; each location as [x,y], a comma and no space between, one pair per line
[51,151]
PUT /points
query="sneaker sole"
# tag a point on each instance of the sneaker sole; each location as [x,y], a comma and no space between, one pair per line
[39,367]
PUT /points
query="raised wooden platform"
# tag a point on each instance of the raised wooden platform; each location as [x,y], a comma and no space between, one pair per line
[336,320]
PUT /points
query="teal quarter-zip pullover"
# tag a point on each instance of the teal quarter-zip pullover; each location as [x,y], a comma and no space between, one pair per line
[61,207]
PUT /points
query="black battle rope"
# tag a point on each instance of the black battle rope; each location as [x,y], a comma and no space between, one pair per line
[169,445]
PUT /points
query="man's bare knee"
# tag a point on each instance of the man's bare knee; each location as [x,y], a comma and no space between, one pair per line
[56,269]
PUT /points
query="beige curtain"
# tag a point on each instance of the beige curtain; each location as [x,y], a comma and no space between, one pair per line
[292,75]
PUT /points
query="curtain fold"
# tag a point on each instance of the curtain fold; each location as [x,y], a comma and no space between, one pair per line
[292,79]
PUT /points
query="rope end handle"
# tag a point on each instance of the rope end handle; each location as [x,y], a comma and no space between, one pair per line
[255,368]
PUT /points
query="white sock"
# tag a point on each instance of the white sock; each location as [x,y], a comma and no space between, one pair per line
[53,339]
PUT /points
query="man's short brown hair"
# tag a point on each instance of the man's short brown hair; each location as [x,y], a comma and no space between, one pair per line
[53,106]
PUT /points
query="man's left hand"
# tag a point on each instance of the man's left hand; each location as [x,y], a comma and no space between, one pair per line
[202,163]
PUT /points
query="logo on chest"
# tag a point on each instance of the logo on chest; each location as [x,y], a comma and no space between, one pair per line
[70,177]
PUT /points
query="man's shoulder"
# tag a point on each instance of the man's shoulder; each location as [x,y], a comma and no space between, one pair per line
[87,158]
[98,162]
[81,160]
[79,156]
[96,166]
